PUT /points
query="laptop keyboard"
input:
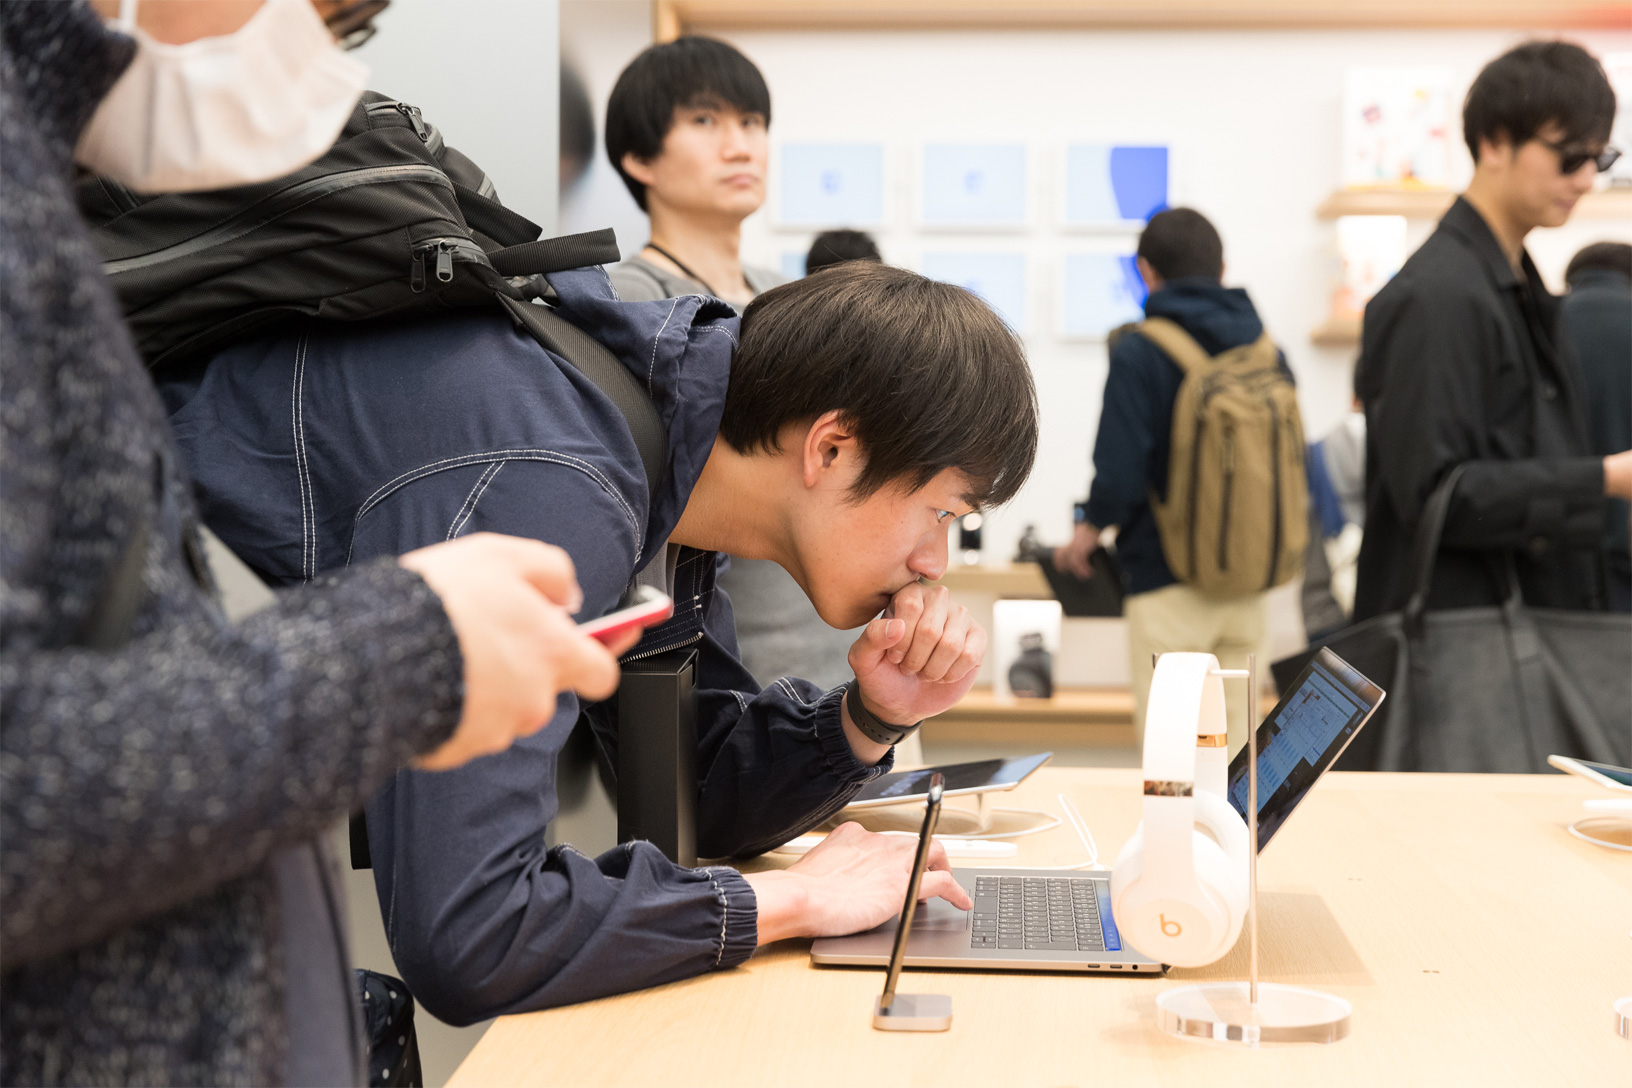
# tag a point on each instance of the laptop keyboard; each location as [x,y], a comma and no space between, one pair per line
[1049,914]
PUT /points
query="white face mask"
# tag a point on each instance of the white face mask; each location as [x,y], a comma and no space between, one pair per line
[218,112]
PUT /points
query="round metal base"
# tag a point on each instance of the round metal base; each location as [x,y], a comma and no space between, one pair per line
[1221,1012]
[1614,832]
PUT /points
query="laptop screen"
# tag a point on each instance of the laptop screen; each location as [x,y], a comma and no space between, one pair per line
[1303,735]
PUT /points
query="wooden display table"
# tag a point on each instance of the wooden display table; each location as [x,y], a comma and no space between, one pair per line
[1479,943]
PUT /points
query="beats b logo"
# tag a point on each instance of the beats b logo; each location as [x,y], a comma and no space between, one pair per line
[1169,929]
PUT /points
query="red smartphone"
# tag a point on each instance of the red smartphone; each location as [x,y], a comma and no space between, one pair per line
[650,607]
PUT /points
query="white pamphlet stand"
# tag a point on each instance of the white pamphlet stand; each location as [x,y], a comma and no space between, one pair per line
[1252,1013]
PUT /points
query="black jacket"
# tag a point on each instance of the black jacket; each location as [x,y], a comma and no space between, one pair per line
[1460,364]
[1597,320]
[160,887]
[1136,418]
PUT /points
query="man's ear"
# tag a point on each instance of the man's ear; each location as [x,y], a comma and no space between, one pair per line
[638,168]
[1493,149]
[829,455]
[1148,273]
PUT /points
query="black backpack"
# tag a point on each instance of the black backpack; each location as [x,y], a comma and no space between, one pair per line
[391,221]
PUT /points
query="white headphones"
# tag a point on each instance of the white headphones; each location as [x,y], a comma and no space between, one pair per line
[1179,889]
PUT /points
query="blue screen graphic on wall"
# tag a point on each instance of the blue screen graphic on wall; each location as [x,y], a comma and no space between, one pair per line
[1107,183]
[999,278]
[793,266]
[832,185]
[976,184]
[1102,291]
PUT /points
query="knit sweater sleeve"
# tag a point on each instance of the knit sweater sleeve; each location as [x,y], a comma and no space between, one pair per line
[133,781]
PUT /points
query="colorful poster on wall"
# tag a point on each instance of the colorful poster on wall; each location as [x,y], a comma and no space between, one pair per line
[1618,66]
[998,278]
[1100,291]
[831,185]
[1372,247]
[978,185]
[1397,127]
[1113,184]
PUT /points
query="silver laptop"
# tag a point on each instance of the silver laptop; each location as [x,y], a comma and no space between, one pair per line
[1054,920]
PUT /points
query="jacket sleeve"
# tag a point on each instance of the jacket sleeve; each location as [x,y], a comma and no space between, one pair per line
[1128,426]
[771,764]
[485,918]
[1428,414]
[136,780]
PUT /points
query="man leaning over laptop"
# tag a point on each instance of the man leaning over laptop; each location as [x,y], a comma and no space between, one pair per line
[837,428]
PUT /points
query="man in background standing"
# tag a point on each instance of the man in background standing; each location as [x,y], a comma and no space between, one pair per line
[1597,320]
[687,128]
[1460,362]
[1181,259]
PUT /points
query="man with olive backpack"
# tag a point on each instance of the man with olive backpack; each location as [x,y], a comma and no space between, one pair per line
[1198,463]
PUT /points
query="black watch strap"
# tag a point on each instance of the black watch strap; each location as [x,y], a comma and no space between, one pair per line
[871,726]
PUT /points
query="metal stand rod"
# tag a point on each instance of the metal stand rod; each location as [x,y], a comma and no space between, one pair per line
[1252,830]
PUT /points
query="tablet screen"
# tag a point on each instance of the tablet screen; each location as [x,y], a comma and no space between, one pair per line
[985,774]
[1303,735]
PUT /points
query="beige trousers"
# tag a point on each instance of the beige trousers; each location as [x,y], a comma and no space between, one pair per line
[1178,618]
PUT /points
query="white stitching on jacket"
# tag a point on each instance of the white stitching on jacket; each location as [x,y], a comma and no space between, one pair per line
[385,490]
[297,420]
[725,914]
[469,506]
[652,368]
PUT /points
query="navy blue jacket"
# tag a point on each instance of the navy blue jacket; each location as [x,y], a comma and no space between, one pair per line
[1596,318]
[1136,418]
[319,448]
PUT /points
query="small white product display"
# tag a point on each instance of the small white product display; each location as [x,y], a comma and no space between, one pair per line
[1397,127]
[1100,291]
[1025,641]
[1372,248]
[1114,185]
[1609,820]
[823,184]
[1179,895]
[974,185]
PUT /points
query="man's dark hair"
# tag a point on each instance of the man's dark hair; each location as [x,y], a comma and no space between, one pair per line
[1180,242]
[1538,84]
[577,127]
[837,246]
[927,374]
[687,72]
[1600,257]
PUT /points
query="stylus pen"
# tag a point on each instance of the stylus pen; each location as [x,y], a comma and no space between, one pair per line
[932,813]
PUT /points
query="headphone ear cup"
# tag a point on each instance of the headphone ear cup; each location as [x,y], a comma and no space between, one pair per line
[1224,871]
[1221,881]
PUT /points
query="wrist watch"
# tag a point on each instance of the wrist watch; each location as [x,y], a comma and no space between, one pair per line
[871,726]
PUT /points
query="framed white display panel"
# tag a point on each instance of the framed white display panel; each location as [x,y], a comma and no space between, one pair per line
[824,185]
[997,278]
[973,186]
[792,264]
[1099,290]
[1114,185]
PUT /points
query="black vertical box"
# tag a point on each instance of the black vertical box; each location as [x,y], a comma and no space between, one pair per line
[657,753]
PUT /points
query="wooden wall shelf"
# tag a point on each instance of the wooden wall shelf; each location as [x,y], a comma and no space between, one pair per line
[1110,706]
[1432,203]
[1337,332]
[672,18]
[1010,580]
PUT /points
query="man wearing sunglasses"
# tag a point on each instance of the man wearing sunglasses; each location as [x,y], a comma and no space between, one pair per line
[1462,363]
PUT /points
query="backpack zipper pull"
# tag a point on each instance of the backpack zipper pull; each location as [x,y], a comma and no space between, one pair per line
[416,272]
[444,262]
[412,113]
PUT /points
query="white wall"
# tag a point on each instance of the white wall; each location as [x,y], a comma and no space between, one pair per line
[598,38]
[1253,120]
[485,72]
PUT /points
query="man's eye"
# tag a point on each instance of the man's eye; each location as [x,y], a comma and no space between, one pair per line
[942,515]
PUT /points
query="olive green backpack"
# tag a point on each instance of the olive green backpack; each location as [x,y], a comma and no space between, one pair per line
[1236,517]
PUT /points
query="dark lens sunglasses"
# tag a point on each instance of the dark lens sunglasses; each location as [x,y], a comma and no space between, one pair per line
[1571,159]
[353,24]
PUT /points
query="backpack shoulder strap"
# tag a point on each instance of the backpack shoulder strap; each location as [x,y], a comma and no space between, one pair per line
[595,362]
[557,254]
[1177,344]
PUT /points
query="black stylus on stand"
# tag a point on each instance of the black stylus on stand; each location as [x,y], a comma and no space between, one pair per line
[914,1012]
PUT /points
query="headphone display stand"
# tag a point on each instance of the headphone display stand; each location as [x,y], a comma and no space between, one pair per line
[1252,1013]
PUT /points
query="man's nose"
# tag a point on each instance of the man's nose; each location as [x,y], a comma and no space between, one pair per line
[736,141]
[929,560]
